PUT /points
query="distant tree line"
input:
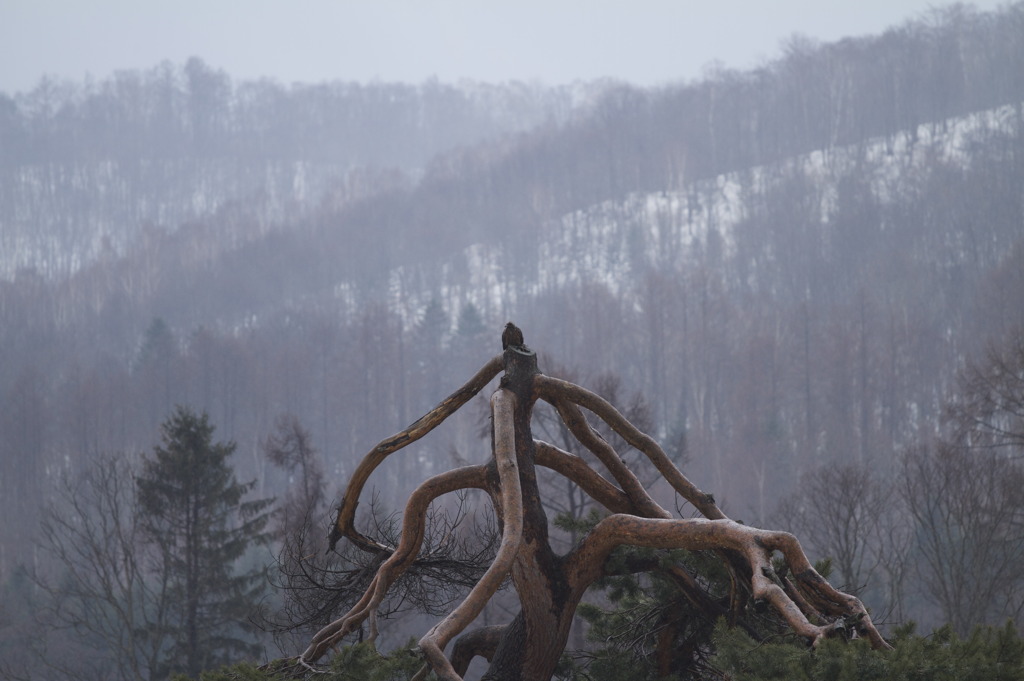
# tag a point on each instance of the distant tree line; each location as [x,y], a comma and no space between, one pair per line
[103,164]
[87,168]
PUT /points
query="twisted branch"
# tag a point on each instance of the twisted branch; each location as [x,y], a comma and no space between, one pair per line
[577,470]
[554,390]
[413,530]
[344,524]
[511,511]
[582,431]
[757,546]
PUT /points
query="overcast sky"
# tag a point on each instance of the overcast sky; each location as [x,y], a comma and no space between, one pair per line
[647,42]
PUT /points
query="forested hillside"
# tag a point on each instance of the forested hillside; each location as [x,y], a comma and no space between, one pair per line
[789,264]
[88,167]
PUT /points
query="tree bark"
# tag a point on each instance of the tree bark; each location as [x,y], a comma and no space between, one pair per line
[530,646]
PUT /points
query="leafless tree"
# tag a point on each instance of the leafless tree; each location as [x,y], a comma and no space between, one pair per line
[550,586]
[103,592]
[839,512]
[853,516]
[987,411]
[290,447]
[967,513]
[965,494]
[317,585]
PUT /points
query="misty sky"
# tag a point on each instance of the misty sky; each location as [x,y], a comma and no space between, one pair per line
[646,42]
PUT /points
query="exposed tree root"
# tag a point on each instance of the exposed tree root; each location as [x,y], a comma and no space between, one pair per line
[550,587]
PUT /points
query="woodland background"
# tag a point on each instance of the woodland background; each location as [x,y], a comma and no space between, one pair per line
[787,267]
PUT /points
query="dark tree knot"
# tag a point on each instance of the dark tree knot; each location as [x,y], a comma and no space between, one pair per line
[519,360]
[512,337]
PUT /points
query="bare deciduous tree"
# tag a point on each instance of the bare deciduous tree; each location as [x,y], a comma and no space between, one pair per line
[967,514]
[987,412]
[290,447]
[839,511]
[857,519]
[550,586]
[965,494]
[102,591]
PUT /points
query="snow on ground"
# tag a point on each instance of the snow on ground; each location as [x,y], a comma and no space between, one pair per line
[610,242]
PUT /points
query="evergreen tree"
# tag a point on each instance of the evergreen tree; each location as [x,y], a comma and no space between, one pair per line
[198,527]
[471,322]
[158,345]
[433,326]
[431,332]
[154,367]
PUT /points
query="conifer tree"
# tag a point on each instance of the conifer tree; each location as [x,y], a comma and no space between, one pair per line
[471,322]
[197,528]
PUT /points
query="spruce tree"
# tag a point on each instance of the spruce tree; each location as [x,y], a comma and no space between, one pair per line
[471,322]
[198,527]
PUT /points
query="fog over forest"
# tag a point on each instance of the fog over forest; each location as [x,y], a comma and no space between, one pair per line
[798,277]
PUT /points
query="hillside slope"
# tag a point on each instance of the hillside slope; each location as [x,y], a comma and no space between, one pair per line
[788,264]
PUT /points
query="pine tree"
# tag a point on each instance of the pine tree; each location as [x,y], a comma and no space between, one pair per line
[433,326]
[198,527]
[471,322]
[154,367]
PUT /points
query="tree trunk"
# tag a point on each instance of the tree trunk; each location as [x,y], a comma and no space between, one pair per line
[532,644]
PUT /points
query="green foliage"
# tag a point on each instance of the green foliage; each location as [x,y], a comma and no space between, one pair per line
[359,662]
[239,672]
[605,665]
[990,653]
[471,322]
[433,326]
[199,527]
[362,662]
[580,526]
[648,610]
[158,345]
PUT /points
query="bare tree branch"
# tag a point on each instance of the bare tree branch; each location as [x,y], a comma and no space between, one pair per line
[554,388]
[698,534]
[511,512]
[346,511]
[577,470]
[413,529]
[579,427]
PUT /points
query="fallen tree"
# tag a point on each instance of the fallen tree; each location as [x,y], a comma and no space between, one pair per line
[766,568]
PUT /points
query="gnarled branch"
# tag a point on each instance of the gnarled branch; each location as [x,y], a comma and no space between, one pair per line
[344,526]
[582,431]
[413,529]
[577,470]
[511,512]
[556,389]
[757,546]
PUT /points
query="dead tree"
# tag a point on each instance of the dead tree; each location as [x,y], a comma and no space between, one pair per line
[550,586]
